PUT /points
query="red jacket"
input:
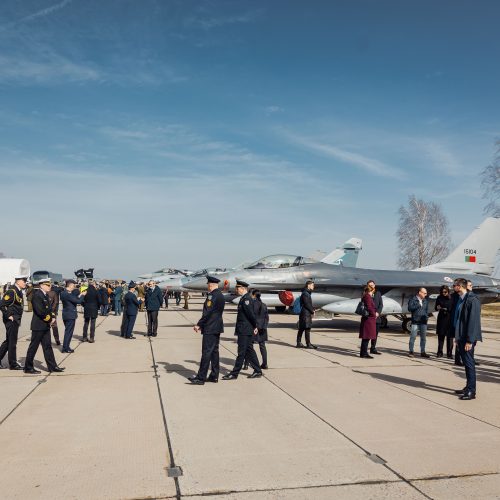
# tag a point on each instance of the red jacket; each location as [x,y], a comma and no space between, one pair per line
[368,326]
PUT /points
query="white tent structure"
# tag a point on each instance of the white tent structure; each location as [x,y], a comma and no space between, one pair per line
[10,268]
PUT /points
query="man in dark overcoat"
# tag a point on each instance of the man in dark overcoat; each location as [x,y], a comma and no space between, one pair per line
[211,325]
[154,300]
[246,328]
[305,317]
[132,304]
[467,322]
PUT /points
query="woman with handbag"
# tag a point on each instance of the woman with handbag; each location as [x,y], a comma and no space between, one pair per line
[368,326]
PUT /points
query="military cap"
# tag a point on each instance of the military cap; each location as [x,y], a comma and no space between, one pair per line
[132,284]
[45,281]
[242,283]
[22,277]
[212,279]
[70,282]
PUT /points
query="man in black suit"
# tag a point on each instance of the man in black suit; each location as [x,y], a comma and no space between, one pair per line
[90,312]
[132,304]
[42,319]
[379,305]
[305,317]
[12,308]
[467,323]
[154,300]
[211,325]
[246,328]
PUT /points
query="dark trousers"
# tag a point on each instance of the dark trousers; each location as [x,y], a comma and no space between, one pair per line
[130,325]
[470,367]
[86,327]
[209,355]
[449,345]
[263,352]
[364,346]
[166,301]
[118,307]
[307,331]
[10,343]
[374,341]
[123,328]
[40,337]
[69,328]
[458,357]
[55,331]
[104,310]
[152,322]
[246,351]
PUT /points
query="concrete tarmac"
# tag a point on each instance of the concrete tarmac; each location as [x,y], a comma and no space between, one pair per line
[123,422]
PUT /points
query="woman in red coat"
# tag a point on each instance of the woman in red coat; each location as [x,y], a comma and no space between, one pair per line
[368,327]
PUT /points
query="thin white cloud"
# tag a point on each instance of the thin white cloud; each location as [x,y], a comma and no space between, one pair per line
[441,156]
[370,165]
[35,15]
[208,23]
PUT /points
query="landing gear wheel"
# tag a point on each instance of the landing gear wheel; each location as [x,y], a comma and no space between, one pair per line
[383,322]
[407,325]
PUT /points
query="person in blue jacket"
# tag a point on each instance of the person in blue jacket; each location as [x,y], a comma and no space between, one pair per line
[70,300]
[154,300]
[132,304]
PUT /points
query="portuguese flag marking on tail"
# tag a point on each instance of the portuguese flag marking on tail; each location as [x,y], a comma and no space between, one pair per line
[470,258]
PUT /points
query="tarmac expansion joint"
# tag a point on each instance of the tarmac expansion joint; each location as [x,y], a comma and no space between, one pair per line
[376,458]
[174,471]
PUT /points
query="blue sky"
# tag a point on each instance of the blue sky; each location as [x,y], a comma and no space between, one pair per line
[141,134]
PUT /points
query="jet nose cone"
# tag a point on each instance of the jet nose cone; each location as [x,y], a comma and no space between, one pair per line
[196,284]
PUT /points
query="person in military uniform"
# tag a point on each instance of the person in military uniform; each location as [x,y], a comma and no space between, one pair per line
[305,317]
[42,319]
[246,328]
[154,300]
[54,297]
[90,311]
[262,316]
[132,304]
[12,308]
[211,325]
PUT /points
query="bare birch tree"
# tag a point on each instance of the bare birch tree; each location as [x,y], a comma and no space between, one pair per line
[490,183]
[423,234]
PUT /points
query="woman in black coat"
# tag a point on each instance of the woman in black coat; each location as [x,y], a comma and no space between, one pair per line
[443,305]
[90,312]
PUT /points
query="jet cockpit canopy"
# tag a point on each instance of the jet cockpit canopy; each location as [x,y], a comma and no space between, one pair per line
[279,261]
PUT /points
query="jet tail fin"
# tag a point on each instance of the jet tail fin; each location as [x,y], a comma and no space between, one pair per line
[477,253]
[347,254]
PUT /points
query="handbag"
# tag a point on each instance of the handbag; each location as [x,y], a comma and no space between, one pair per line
[361,310]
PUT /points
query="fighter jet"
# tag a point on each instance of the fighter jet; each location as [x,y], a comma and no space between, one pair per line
[338,288]
[346,255]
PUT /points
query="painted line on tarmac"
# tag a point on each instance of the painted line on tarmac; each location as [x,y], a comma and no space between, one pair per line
[172,467]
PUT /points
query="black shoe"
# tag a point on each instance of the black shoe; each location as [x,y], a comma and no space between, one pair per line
[58,342]
[300,345]
[16,367]
[245,366]
[365,355]
[263,366]
[459,363]
[374,351]
[131,337]
[460,391]
[477,363]
[192,377]
[68,351]
[410,354]
[212,379]
[91,341]
[85,339]
[154,335]
[424,355]
[198,381]
[255,375]
[230,376]
[32,371]
[467,396]
[449,356]
[439,355]
[311,346]
[57,370]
